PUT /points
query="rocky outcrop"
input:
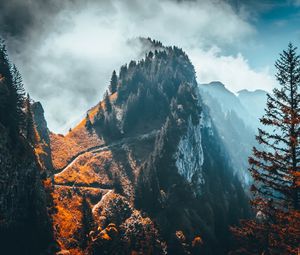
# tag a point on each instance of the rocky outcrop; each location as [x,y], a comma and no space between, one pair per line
[189,156]
[42,147]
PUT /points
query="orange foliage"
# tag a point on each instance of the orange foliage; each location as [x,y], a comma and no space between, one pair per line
[197,241]
[47,183]
[77,140]
[67,220]
[65,147]
[89,169]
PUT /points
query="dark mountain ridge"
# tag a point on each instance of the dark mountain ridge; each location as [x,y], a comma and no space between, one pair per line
[25,225]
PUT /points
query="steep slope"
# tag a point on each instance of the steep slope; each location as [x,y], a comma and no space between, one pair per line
[25,226]
[227,100]
[236,118]
[42,146]
[247,105]
[147,171]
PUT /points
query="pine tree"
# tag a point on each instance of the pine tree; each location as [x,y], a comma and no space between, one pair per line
[31,133]
[123,72]
[107,102]
[113,83]
[275,168]
[100,114]
[87,221]
[88,123]
[11,112]
[17,83]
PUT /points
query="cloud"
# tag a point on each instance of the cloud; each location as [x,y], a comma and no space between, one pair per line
[67,51]
[233,71]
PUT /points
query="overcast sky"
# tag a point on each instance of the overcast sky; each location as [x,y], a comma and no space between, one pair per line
[67,50]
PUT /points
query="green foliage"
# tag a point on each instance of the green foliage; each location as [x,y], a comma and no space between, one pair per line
[107,103]
[145,91]
[11,87]
[30,131]
[113,83]
[88,123]
[24,217]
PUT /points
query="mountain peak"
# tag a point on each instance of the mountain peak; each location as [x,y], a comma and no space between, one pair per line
[246,92]
[216,84]
[216,87]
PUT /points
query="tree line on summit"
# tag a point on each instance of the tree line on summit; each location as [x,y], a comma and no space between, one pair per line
[15,110]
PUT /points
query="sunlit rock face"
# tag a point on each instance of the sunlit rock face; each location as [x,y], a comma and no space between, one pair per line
[189,156]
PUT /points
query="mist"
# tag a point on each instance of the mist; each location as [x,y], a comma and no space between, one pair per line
[67,50]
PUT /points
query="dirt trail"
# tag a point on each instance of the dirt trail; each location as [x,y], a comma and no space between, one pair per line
[105,147]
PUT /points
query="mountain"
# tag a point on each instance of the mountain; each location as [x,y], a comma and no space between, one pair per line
[152,169]
[25,225]
[226,99]
[236,117]
[247,105]
[146,171]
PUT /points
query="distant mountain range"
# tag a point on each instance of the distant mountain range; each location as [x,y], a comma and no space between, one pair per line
[236,117]
[248,105]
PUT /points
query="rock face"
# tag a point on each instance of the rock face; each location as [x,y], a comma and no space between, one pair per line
[42,148]
[189,156]
[146,171]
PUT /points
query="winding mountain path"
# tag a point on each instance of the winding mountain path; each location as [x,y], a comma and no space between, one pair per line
[105,147]
[73,185]
[96,206]
[104,191]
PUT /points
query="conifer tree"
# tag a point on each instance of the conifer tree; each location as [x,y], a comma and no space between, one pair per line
[31,134]
[123,71]
[107,102]
[18,86]
[87,221]
[100,114]
[275,168]
[113,83]
[88,122]
[11,112]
